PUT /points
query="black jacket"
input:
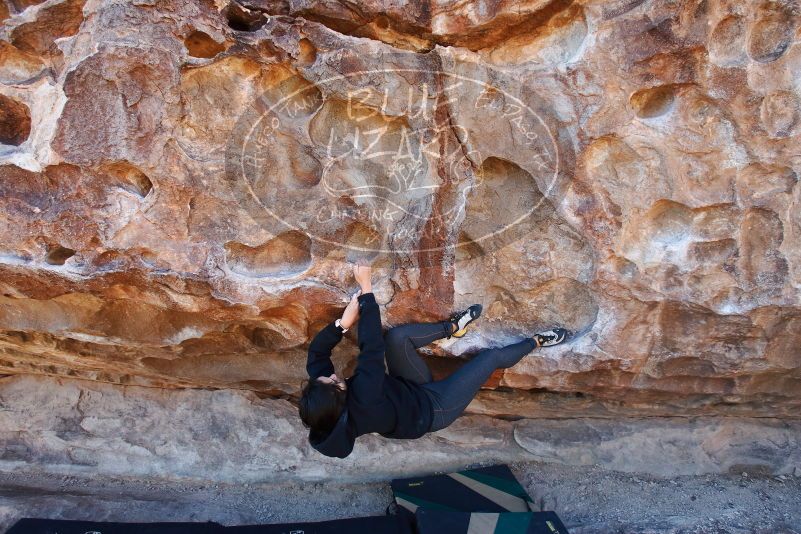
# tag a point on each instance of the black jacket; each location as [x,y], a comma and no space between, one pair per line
[376,402]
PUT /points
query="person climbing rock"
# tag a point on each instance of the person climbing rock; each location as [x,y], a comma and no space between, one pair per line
[406,402]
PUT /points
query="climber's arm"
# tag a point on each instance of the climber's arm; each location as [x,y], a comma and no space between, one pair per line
[319,361]
[368,378]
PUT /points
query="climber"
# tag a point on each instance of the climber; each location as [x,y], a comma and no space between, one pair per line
[405,403]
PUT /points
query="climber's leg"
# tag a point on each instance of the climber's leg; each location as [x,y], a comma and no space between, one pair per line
[401,343]
[450,396]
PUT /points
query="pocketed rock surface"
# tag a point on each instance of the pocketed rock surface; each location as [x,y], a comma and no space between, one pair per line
[652,147]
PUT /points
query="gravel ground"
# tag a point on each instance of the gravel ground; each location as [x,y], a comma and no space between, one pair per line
[587,499]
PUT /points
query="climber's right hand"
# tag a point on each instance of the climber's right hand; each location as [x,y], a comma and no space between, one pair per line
[363,273]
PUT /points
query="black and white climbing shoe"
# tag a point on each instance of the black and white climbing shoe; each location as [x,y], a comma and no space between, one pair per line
[552,337]
[464,318]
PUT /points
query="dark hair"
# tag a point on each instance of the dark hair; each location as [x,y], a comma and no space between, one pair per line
[320,406]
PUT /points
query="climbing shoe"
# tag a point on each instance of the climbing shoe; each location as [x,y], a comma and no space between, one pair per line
[464,318]
[551,337]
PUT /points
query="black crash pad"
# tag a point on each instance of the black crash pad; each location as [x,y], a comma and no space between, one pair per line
[59,526]
[444,522]
[359,525]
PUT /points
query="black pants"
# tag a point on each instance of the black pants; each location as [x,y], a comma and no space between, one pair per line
[449,396]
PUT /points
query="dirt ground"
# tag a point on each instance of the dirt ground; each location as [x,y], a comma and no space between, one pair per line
[587,499]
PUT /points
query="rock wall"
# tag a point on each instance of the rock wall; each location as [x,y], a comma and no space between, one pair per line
[183,183]
[95,430]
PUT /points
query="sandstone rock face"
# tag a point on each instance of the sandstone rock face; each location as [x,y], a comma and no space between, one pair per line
[182,184]
[70,427]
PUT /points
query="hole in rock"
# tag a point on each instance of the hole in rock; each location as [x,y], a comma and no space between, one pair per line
[130,178]
[496,212]
[201,44]
[264,337]
[57,255]
[37,190]
[727,41]
[771,34]
[307,52]
[511,418]
[17,66]
[667,222]
[52,22]
[15,121]
[243,19]
[301,97]
[19,336]
[279,328]
[553,39]
[467,248]
[110,259]
[382,22]
[653,102]
[354,166]
[285,255]
[273,339]
[289,168]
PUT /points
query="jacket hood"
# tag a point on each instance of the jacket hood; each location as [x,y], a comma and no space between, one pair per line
[339,442]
